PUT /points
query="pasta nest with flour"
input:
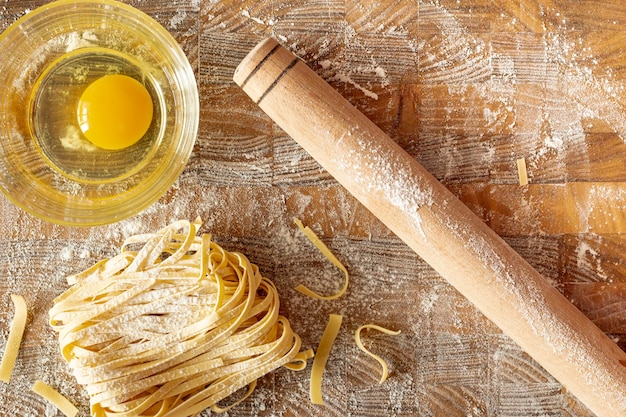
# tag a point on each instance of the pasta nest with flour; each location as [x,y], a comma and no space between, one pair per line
[171,326]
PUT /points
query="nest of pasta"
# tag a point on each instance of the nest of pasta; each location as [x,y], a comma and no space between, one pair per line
[171,326]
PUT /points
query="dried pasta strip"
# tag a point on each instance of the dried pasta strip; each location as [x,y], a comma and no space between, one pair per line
[321,357]
[330,256]
[359,343]
[522,173]
[55,397]
[15,338]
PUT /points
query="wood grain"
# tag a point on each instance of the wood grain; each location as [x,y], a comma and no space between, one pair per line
[467,88]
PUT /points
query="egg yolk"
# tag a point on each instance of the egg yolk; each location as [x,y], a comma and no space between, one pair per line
[115,111]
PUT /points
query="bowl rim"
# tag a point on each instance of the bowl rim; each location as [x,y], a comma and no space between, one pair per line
[57,3]
[136,199]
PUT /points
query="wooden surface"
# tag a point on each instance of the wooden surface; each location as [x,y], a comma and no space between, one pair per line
[439,227]
[467,88]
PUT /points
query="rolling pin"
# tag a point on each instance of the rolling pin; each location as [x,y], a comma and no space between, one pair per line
[437,226]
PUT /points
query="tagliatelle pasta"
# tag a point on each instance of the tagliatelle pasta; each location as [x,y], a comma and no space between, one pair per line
[15,338]
[359,343]
[171,326]
[55,397]
[522,172]
[330,256]
[321,357]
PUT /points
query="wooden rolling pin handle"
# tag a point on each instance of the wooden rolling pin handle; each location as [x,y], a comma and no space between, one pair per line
[437,226]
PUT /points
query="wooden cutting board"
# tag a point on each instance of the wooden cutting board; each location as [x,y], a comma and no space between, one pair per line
[467,88]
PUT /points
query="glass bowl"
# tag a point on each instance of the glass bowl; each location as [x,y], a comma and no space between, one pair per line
[50,55]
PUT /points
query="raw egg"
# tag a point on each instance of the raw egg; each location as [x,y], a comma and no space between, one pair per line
[115,111]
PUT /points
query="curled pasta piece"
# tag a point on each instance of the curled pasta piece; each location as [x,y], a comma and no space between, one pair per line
[171,326]
[310,234]
[15,338]
[359,343]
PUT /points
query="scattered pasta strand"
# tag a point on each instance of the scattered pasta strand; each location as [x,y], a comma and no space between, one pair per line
[321,357]
[330,256]
[55,397]
[15,338]
[522,173]
[359,343]
[171,326]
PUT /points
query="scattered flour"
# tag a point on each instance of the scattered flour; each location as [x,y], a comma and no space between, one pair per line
[246,13]
[378,171]
[428,301]
[345,78]
[178,18]
[588,258]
